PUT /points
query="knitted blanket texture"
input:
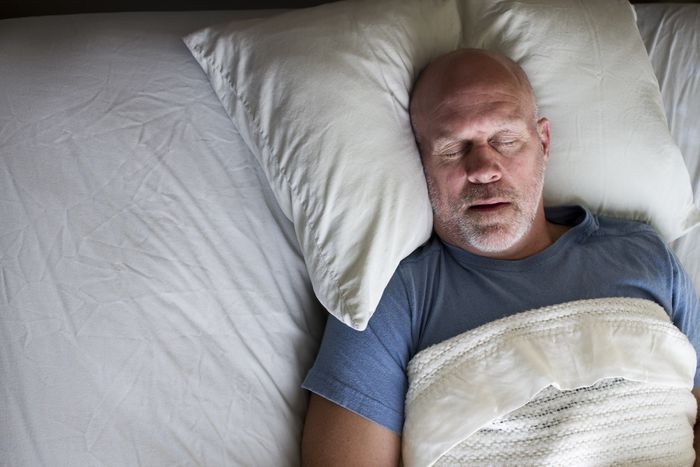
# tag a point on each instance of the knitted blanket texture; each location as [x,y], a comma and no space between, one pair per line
[591,382]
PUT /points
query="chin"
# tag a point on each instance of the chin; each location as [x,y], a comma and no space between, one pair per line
[494,239]
[493,245]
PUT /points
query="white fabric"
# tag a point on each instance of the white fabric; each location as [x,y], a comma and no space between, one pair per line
[154,306]
[463,384]
[321,96]
[326,113]
[671,34]
[591,426]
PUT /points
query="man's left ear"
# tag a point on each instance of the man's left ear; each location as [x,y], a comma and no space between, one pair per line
[543,134]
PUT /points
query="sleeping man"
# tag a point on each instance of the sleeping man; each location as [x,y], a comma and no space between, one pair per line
[478,299]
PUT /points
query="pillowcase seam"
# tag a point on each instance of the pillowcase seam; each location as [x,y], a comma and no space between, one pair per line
[226,75]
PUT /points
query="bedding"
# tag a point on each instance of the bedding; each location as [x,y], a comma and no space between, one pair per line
[155,307]
[588,67]
[672,36]
[326,112]
[589,382]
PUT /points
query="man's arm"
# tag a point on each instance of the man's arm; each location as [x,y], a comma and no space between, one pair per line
[696,443]
[336,436]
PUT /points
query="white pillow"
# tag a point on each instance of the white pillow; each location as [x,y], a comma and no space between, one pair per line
[611,148]
[321,96]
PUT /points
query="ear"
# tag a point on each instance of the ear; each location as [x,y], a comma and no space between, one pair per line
[543,134]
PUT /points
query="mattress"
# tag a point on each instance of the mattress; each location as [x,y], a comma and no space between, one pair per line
[154,307]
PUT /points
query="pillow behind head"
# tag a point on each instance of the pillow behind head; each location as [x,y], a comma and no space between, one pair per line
[611,149]
[321,96]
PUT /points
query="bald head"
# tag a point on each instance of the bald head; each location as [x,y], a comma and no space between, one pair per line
[462,74]
[484,153]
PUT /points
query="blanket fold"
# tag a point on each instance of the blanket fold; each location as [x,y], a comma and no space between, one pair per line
[591,382]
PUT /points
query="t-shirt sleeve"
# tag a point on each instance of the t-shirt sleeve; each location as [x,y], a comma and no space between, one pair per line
[365,371]
[686,308]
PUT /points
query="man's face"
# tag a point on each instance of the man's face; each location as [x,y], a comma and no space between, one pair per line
[484,157]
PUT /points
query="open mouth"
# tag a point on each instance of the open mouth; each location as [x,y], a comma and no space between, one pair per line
[488,207]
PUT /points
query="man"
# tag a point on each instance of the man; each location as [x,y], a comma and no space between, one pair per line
[496,252]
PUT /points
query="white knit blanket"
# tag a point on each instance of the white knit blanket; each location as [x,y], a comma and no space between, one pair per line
[591,382]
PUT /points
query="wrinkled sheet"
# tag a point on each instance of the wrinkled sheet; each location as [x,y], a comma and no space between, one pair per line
[671,34]
[154,306]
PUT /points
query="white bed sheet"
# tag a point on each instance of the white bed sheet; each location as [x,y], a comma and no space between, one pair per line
[671,33]
[141,322]
[154,306]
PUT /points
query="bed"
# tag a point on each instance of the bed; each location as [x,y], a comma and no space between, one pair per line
[155,303]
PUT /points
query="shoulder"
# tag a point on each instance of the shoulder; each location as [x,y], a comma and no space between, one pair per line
[420,263]
[629,232]
[636,244]
[611,238]
[415,271]
[430,249]
[616,226]
[423,258]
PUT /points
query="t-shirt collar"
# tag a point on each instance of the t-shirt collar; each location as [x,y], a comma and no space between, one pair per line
[583,225]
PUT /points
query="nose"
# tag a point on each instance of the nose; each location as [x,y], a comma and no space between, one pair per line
[482,165]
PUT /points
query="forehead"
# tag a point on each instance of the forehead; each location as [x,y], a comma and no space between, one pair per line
[474,112]
[496,100]
[470,86]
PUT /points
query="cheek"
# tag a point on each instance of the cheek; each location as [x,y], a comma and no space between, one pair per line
[451,182]
[526,171]
[445,182]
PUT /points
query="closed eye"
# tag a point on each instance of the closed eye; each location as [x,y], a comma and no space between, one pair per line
[450,153]
[506,145]
[453,151]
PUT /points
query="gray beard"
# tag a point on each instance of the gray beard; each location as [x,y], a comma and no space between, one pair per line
[490,237]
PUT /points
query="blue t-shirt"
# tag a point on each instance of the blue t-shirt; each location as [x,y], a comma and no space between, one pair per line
[441,291]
